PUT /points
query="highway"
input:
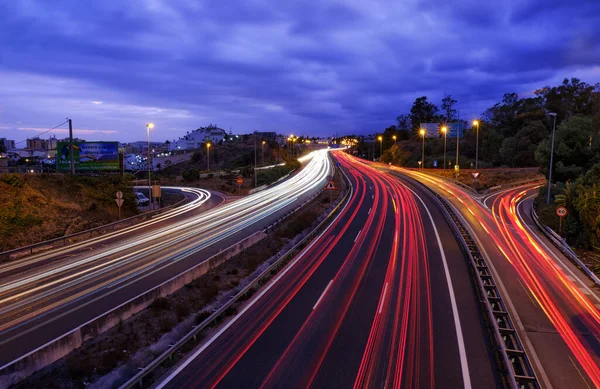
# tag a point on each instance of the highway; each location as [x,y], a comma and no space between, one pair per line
[45,296]
[555,309]
[381,298]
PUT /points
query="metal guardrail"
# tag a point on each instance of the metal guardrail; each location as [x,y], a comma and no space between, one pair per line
[50,244]
[192,336]
[564,248]
[509,349]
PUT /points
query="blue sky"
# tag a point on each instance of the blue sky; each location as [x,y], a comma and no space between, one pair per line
[315,68]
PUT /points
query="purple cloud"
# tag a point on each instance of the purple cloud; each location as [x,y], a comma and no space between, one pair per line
[290,66]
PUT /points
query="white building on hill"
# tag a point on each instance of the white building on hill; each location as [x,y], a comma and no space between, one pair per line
[195,139]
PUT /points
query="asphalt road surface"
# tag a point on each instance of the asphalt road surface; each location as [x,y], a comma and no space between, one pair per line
[382,298]
[46,296]
[554,307]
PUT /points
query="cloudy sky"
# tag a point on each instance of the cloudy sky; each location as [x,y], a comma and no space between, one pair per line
[311,67]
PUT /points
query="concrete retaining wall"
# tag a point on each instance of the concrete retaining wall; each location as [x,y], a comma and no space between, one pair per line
[58,348]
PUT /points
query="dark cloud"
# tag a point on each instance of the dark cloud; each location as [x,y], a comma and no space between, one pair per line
[321,66]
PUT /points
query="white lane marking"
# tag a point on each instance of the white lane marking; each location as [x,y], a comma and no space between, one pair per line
[322,294]
[584,291]
[372,197]
[383,298]
[459,333]
[191,358]
[368,213]
[357,235]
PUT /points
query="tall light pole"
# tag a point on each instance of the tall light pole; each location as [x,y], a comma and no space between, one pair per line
[255,163]
[445,131]
[476,124]
[457,144]
[551,158]
[394,138]
[208,156]
[262,151]
[148,127]
[423,133]
[380,139]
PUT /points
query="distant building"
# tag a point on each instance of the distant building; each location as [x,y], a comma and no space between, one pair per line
[195,139]
[8,144]
[51,143]
[36,144]
[267,135]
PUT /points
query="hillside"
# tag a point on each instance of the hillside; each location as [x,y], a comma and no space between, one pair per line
[37,207]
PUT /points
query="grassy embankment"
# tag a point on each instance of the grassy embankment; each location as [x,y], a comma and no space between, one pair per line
[491,177]
[115,355]
[37,207]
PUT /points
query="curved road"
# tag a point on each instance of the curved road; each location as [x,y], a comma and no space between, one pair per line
[555,310]
[382,298]
[84,281]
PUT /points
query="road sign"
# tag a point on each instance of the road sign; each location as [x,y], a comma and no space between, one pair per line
[435,163]
[475,174]
[330,186]
[119,202]
[119,195]
[338,164]
[561,212]
[156,192]
[239,180]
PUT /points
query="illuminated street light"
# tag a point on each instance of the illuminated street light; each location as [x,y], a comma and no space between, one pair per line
[262,150]
[423,133]
[148,127]
[476,124]
[208,156]
[445,131]
[394,138]
[380,139]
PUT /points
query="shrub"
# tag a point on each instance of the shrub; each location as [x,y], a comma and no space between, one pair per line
[159,305]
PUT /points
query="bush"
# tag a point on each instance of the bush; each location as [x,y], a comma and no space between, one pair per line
[159,305]
[182,310]
[200,317]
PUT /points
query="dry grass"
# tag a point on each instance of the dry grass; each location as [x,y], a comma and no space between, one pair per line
[37,207]
[492,177]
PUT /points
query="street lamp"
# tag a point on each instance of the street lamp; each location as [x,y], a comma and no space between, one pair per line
[423,133]
[262,151]
[208,156]
[394,138]
[476,124]
[551,157]
[380,139]
[148,127]
[445,131]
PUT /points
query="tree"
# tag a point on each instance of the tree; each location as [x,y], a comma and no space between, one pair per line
[422,111]
[396,155]
[448,103]
[572,97]
[573,155]
[197,157]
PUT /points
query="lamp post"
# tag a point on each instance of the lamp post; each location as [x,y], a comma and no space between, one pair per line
[476,124]
[380,139]
[445,131]
[262,151]
[148,127]
[457,144]
[423,133]
[551,157]
[394,137]
[255,164]
[208,156]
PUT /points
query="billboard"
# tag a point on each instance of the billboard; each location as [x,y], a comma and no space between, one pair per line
[456,128]
[88,156]
[432,129]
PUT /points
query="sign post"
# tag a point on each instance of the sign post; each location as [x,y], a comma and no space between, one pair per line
[561,212]
[119,201]
[330,187]
[475,175]
[239,181]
